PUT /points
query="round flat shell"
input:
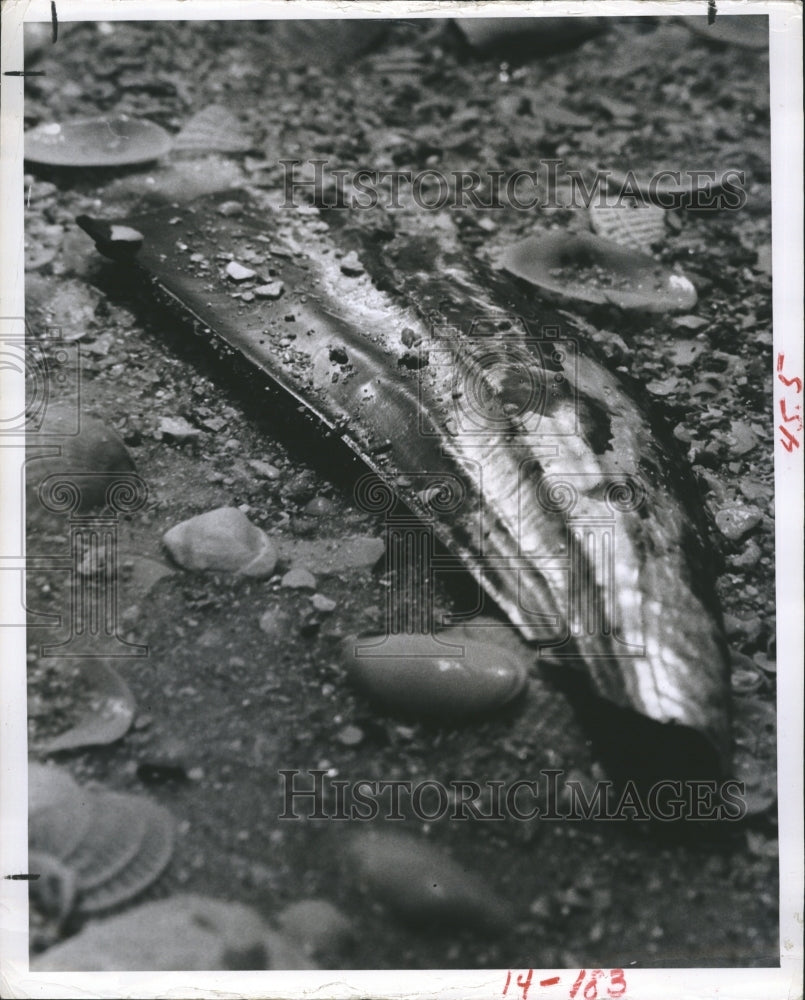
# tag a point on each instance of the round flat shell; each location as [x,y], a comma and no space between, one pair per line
[581,267]
[96,142]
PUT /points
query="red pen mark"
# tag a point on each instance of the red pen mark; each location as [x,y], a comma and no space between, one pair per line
[616,986]
[789,440]
[549,982]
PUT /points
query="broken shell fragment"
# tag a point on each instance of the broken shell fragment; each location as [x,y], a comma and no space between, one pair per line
[409,675]
[581,267]
[422,883]
[222,539]
[96,142]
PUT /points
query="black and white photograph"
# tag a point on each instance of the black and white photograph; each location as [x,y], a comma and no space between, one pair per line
[401,444]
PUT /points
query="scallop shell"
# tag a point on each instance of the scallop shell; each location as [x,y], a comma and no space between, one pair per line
[637,226]
[410,675]
[215,129]
[96,142]
[108,712]
[222,539]
[422,883]
[581,267]
[114,845]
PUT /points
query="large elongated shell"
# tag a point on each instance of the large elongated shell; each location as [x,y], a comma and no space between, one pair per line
[115,845]
[506,437]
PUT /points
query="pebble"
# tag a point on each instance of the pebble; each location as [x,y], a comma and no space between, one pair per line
[272,290]
[178,429]
[319,505]
[754,490]
[272,621]
[230,208]
[351,265]
[323,604]
[748,629]
[264,469]
[422,883]
[317,926]
[741,439]
[748,558]
[222,539]
[409,678]
[736,522]
[299,578]
[350,736]
[237,272]
[690,322]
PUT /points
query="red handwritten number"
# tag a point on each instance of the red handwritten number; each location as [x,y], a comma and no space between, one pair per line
[615,989]
[508,980]
[574,989]
[591,989]
[786,418]
[788,382]
[792,442]
[617,983]
[524,983]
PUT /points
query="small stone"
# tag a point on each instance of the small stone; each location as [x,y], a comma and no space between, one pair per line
[753,490]
[178,429]
[264,469]
[222,539]
[317,926]
[747,629]
[351,265]
[323,604]
[299,578]
[339,356]
[319,506]
[690,322]
[741,439]
[272,290]
[736,522]
[273,621]
[237,272]
[230,208]
[748,558]
[214,423]
[350,736]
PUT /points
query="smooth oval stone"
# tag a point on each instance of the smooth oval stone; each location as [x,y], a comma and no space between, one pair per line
[87,446]
[408,676]
[222,539]
[317,926]
[181,933]
[422,883]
